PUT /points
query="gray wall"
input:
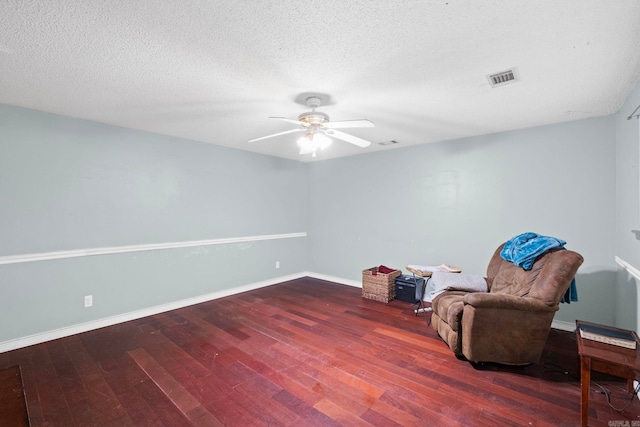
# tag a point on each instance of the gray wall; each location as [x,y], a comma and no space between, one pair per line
[455,202]
[628,210]
[69,184]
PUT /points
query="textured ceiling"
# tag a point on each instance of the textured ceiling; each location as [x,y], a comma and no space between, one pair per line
[214,71]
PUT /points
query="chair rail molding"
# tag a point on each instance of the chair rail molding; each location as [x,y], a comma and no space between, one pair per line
[44,256]
[630,268]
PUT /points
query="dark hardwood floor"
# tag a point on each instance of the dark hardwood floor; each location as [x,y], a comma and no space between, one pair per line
[13,408]
[301,353]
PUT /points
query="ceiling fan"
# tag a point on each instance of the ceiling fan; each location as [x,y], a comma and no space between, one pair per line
[318,129]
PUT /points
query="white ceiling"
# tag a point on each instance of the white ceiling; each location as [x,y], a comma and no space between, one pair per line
[214,71]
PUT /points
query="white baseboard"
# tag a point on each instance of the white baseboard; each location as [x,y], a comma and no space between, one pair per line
[563,326]
[354,283]
[556,324]
[125,317]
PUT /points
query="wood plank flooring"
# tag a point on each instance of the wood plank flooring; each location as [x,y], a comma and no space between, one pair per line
[13,408]
[302,353]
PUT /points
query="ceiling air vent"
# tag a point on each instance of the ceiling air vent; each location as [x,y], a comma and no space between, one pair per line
[388,142]
[503,78]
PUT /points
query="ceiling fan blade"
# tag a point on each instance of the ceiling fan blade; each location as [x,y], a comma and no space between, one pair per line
[349,138]
[297,122]
[277,134]
[361,123]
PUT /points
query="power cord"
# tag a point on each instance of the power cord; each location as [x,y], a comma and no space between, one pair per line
[611,395]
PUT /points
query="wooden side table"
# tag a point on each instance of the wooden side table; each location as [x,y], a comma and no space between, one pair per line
[607,358]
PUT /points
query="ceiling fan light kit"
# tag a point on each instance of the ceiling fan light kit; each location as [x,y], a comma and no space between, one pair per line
[312,142]
[318,127]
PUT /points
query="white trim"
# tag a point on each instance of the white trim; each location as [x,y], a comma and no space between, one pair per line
[334,279]
[125,317]
[570,327]
[563,326]
[556,324]
[13,259]
[630,268]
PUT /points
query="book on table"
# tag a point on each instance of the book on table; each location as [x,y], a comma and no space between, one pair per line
[614,336]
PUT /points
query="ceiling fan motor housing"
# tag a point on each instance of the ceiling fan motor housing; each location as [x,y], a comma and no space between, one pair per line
[314,118]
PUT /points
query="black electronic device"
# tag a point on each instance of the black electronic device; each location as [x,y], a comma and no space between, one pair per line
[409,288]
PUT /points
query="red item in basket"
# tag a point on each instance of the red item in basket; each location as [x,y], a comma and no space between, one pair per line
[385,270]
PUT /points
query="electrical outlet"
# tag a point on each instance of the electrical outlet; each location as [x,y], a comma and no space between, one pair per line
[88,300]
[277,264]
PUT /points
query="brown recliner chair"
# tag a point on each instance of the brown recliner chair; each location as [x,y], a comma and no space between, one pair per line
[510,323]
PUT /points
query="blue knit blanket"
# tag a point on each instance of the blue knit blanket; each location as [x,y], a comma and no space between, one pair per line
[523,249]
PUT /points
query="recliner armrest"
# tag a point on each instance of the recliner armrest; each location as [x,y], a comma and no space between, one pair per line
[508,302]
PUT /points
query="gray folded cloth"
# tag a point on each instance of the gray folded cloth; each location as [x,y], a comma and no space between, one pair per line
[441,281]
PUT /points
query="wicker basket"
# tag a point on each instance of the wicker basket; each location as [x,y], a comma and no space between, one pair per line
[379,286]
